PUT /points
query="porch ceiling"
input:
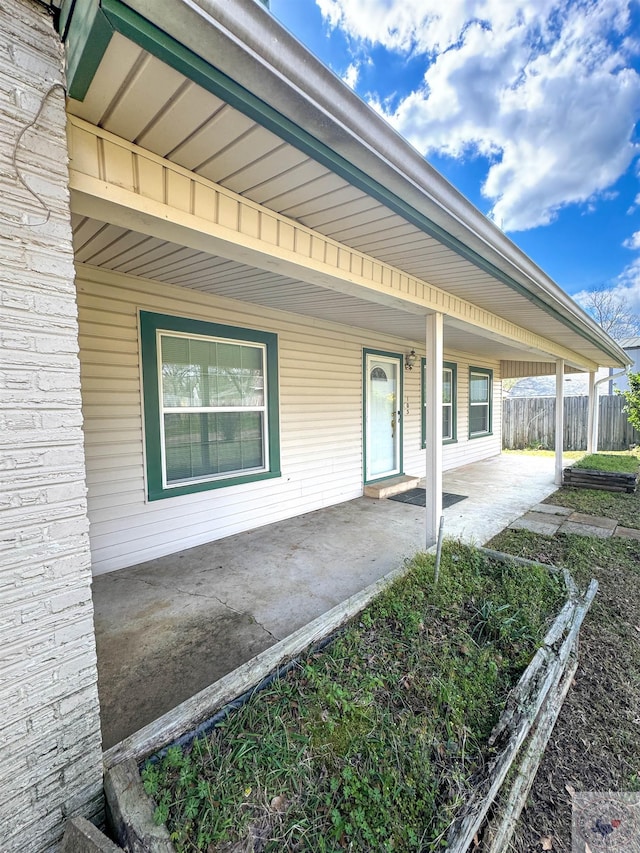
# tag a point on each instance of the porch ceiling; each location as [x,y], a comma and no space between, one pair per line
[145,100]
[110,247]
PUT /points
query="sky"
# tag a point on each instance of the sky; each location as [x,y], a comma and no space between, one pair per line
[531,108]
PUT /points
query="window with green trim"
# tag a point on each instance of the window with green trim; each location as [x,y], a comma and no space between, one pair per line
[449,402]
[211,404]
[480,401]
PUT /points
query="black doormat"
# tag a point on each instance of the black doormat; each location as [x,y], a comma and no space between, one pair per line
[417,497]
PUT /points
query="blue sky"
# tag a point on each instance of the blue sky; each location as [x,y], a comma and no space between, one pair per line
[531,108]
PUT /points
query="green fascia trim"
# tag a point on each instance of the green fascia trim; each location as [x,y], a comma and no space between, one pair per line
[365,352]
[453,367]
[487,372]
[150,322]
[160,44]
[87,35]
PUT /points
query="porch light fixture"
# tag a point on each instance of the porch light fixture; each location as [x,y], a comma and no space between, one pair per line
[410,360]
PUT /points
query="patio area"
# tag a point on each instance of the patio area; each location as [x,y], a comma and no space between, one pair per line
[167,628]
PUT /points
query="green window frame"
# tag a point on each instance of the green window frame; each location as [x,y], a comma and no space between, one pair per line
[449,402]
[211,409]
[480,402]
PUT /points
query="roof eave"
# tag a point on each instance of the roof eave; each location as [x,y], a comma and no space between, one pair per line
[245,42]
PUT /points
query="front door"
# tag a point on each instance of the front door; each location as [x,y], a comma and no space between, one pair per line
[383,373]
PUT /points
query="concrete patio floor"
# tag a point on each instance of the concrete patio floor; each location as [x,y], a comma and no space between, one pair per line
[167,628]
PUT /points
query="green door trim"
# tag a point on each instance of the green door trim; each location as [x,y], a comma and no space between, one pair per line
[365,385]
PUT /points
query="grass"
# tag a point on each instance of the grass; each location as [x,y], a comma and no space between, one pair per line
[543,452]
[370,744]
[623,463]
[595,745]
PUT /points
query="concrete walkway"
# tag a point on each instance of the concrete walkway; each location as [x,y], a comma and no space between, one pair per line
[549,519]
[172,626]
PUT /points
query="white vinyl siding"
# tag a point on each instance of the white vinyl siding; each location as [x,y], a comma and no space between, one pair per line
[463,451]
[320,385]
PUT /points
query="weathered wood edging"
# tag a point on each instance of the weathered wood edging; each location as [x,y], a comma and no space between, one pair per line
[610,481]
[528,719]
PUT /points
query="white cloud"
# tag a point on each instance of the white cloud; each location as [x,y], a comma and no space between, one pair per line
[427,26]
[351,75]
[543,88]
[628,286]
[633,242]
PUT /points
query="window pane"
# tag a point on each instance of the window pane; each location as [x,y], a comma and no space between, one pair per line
[479,389]
[180,377]
[240,441]
[446,385]
[446,422]
[240,375]
[198,372]
[206,444]
[189,450]
[479,419]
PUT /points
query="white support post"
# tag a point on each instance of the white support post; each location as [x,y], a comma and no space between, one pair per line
[559,419]
[591,415]
[433,412]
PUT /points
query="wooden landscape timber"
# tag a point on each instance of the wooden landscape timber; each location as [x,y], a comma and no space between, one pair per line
[588,478]
[524,728]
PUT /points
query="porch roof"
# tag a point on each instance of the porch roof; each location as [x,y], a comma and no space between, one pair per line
[221,89]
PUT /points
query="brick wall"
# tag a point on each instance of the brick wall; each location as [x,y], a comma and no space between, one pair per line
[50,752]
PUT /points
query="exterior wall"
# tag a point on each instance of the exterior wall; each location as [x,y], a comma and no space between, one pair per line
[622,383]
[320,432]
[50,765]
[463,451]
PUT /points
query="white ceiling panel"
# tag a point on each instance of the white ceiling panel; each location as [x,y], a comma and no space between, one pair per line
[277,161]
[252,146]
[190,108]
[127,116]
[222,128]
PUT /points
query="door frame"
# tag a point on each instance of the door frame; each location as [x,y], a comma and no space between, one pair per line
[366,352]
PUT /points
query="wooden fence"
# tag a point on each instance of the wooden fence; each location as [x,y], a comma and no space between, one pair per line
[531,422]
